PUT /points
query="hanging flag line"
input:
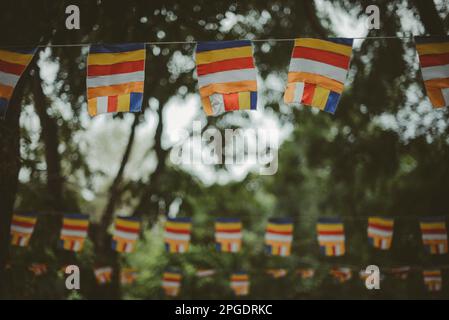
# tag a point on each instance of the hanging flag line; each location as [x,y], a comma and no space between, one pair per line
[198,41]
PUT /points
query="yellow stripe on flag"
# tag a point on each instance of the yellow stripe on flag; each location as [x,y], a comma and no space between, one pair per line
[324,45]
[223,54]
[112,58]
[15,57]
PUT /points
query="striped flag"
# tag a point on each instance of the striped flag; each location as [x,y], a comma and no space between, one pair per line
[115,78]
[433,280]
[240,283]
[279,236]
[434,234]
[331,236]
[317,73]
[341,274]
[128,276]
[171,282]
[13,63]
[22,227]
[38,269]
[205,273]
[74,231]
[227,78]
[380,232]
[277,273]
[400,273]
[103,275]
[433,55]
[228,234]
[305,273]
[177,234]
[126,232]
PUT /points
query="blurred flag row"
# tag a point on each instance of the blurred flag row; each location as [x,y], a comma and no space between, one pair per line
[239,282]
[227,76]
[229,233]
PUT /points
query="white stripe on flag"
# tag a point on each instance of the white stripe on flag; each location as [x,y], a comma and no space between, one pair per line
[20,229]
[74,233]
[102,105]
[435,72]
[227,76]
[299,91]
[315,67]
[126,235]
[8,79]
[103,81]
[326,238]
[379,232]
[170,284]
[278,237]
[177,236]
[226,235]
[441,236]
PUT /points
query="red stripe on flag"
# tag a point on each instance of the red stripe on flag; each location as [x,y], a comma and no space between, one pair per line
[225,65]
[110,69]
[231,101]
[13,68]
[431,60]
[177,231]
[112,104]
[331,233]
[23,224]
[279,232]
[307,96]
[434,231]
[228,230]
[378,226]
[323,56]
[70,227]
[126,229]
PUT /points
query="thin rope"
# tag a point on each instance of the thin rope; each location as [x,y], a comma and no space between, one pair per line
[195,42]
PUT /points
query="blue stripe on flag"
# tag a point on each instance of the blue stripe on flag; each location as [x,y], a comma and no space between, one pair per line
[116,48]
[135,103]
[228,220]
[253,98]
[344,41]
[329,220]
[281,220]
[217,45]
[332,102]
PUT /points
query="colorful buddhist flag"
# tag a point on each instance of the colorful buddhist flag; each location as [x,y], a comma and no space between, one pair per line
[240,283]
[277,273]
[433,280]
[74,231]
[115,78]
[126,232]
[331,236]
[279,236]
[305,273]
[380,232]
[128,276]
[171,282]
[317,73]
[38,269]
[22,227]
[13,63]
[177,234]
[341,274]
[103,275]
[433,55]
[434,234]
[400,273]
[205,273]
[228,234]
[227,78]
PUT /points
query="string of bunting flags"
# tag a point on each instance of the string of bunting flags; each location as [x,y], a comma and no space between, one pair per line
[227,74]
[239,281]
[229,234]
[229,239]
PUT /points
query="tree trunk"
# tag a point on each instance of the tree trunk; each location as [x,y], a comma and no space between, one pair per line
[9,169]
